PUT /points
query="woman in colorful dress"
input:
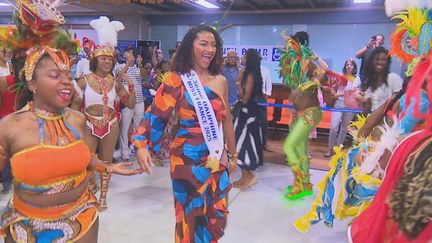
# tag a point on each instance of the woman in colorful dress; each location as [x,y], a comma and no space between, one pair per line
[199,166]
[247,127]
[44,140]
[100,90]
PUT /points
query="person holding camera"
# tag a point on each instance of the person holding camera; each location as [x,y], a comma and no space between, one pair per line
[365,52]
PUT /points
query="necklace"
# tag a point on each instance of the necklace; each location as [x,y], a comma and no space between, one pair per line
[103,83]
[46,114]
[60,132]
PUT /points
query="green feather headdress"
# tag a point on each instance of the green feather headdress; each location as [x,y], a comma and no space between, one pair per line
[294,63]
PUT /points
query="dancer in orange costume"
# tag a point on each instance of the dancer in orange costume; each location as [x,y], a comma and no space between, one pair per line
[51,200]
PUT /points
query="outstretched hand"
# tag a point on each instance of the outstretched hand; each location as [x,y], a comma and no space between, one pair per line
[122,169]
[145,160]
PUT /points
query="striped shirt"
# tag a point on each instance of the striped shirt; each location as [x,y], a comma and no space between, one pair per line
[134,73]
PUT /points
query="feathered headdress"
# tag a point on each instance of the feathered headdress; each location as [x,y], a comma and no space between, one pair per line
[107,34]
[38,32]
[411,40]
[294,63]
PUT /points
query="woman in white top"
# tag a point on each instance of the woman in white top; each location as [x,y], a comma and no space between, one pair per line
[100,90]
[381,84]
[341,120]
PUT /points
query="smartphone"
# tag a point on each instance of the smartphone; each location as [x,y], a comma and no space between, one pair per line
[374,37]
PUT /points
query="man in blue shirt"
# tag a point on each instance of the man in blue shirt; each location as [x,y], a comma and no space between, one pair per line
[230,71]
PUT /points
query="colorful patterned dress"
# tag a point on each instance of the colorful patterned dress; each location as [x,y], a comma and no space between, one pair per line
[200,197]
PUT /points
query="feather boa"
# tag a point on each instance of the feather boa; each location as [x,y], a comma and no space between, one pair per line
[388,141]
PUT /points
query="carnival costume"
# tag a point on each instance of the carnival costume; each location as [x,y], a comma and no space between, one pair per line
[56,165]
[198,164]
[360,183]
[54,169]
[107,35]
[401,209]
[295,62]
[101,125]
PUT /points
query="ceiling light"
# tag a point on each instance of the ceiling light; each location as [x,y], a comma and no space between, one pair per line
[4,5]
[362,1]
[206,4]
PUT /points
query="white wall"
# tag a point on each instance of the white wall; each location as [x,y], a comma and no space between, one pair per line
[333,42]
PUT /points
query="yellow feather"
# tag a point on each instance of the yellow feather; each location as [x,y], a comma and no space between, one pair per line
[411,20]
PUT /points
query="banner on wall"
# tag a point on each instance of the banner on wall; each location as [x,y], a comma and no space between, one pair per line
[270,57]
[123,44]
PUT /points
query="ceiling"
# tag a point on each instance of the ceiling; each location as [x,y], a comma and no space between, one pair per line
[171,7]
[255,5]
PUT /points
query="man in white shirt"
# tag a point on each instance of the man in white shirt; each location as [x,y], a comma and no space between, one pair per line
[267,91]
[130,115]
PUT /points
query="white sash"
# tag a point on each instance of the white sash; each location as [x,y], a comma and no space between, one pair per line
[212,132]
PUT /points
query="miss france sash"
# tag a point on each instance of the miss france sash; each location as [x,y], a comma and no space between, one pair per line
[212,133]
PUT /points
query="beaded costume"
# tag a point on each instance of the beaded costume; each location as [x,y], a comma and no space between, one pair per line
[49,169]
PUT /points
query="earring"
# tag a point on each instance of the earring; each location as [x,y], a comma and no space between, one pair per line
[34,92]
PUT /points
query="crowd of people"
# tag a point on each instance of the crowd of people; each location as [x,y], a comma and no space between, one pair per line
[86,115]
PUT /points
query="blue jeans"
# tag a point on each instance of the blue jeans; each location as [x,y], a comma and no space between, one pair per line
[339,126]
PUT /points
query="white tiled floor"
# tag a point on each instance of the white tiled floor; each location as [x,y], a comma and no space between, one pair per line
[141,210]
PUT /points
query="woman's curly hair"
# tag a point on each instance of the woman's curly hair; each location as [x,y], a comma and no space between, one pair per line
[183,60]
[411,200]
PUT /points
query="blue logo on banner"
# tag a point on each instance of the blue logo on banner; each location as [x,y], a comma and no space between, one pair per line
[275,55]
